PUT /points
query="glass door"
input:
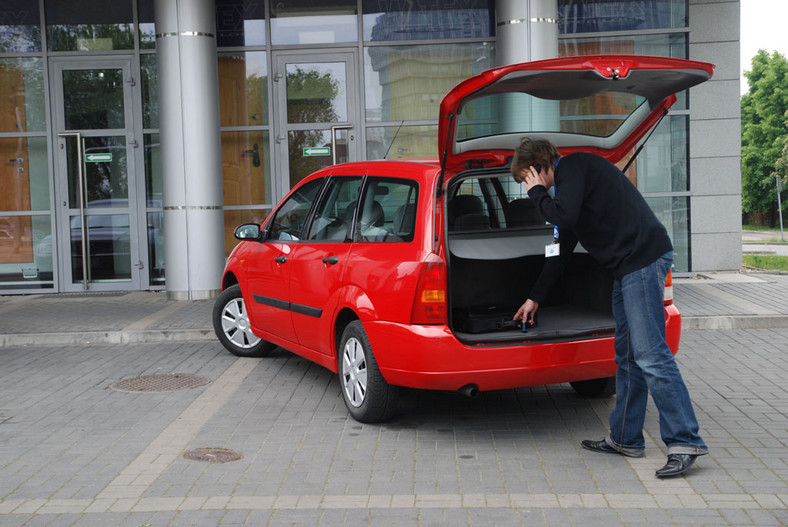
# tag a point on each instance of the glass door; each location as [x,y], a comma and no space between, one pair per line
[317,121]
[96,196]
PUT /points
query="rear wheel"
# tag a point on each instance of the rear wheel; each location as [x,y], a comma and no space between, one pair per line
[604,387]
[232,327]
[368,397]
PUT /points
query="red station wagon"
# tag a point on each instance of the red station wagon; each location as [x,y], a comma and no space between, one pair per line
[408,273]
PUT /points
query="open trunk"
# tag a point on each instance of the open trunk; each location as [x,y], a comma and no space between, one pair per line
[496,244]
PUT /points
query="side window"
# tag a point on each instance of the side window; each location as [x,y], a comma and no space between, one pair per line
[334,214]
[388,211]
[289,220]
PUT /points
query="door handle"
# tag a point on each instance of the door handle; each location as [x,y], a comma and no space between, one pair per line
[280,259]
[330,260]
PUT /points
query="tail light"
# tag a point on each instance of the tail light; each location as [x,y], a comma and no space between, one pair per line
[429,304]
[668,294]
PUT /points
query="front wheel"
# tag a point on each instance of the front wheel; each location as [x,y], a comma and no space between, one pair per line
[368,397]
[596,388]
[232,327]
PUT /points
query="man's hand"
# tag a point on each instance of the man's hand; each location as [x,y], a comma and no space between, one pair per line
[532,178]
[527,311]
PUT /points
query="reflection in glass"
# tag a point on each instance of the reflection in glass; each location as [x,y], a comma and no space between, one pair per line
[670,45]
[153,176]
[240,23]
[662,164]
[316,93]
[93,99]
[302,161]
[326,22]
[404,142]
[24,175]
[409,82]
[25,252]
[22,101]
[150,91]
[246,171]
[106,182]
[243,89]
[234,218]
[20,26]
[386,20]
[147,28]
[593,16]
[88,25]
[673,212]
[109,247]
[156,247]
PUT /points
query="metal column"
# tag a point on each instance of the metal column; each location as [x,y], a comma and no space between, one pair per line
[190,147]
[527,30]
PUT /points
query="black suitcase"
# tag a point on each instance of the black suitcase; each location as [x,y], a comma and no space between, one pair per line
[485,319]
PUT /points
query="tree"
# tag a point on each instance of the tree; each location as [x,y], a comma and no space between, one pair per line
[764,118]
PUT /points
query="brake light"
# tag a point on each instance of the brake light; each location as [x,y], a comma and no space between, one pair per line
[668,294]
[429,304]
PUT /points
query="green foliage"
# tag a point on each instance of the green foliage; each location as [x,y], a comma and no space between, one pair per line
[770,262]
[764,119]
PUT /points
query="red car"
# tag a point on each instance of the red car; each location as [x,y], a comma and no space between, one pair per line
[408,273]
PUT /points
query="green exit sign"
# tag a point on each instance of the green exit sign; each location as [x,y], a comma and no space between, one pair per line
[98,158]
[317,151]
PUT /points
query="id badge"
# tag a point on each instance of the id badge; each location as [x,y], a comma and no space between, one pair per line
[554,249]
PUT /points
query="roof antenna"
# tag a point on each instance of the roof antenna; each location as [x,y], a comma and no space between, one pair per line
[393,138]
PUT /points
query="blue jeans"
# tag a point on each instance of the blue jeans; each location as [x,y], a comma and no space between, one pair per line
[645,364]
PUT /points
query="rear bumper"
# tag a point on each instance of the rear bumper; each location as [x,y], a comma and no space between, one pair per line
[431,357]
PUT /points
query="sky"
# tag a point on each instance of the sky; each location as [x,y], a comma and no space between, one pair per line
[764,25]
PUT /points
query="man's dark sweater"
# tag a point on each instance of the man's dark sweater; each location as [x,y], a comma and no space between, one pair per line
[599,207]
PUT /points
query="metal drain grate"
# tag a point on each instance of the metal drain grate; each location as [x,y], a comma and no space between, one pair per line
[170,382]
[213,455]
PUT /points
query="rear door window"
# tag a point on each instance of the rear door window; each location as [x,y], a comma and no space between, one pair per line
[388,210]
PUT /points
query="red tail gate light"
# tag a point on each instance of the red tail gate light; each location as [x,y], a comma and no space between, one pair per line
[429,303]
[668,294]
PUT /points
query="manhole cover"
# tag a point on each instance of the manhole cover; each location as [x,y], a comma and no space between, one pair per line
[170,382]
[213,455]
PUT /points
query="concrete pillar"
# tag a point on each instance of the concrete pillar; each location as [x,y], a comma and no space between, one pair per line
[527,30]
[190,147]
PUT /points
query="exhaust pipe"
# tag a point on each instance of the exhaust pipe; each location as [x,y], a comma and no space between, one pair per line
[470,390]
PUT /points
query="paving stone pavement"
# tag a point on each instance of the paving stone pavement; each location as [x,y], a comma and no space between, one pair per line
[75,452]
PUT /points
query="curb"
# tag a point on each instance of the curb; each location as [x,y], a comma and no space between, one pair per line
[106,337]
[734,322]
[688,323]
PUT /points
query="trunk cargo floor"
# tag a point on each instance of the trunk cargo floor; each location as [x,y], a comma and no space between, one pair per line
[553,322]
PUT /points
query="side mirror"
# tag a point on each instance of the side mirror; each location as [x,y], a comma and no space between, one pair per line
[248,231]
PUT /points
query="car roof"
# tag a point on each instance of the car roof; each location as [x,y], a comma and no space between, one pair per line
[596,103]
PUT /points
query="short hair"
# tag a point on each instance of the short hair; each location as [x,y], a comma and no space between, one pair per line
[532,151]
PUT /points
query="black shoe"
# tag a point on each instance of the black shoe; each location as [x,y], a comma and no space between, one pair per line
[603,447]
[677,464]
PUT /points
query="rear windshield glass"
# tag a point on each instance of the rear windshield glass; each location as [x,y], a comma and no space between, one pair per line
[598,115]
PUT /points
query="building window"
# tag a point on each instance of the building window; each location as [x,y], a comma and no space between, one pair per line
[240,23]
[246,158]
[660,171]
[596,16]
[19,26]
[88,25]
[309,22]
[389,20]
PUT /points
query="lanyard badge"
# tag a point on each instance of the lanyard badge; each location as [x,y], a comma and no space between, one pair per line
[553,249]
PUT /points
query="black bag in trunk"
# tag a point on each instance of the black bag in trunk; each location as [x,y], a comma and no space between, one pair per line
[486,319]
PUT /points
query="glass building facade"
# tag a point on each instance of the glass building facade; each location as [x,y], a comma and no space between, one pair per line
[302,84]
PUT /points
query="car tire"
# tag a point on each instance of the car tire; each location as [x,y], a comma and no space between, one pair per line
[368,397]
[232,327]
[596,388]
